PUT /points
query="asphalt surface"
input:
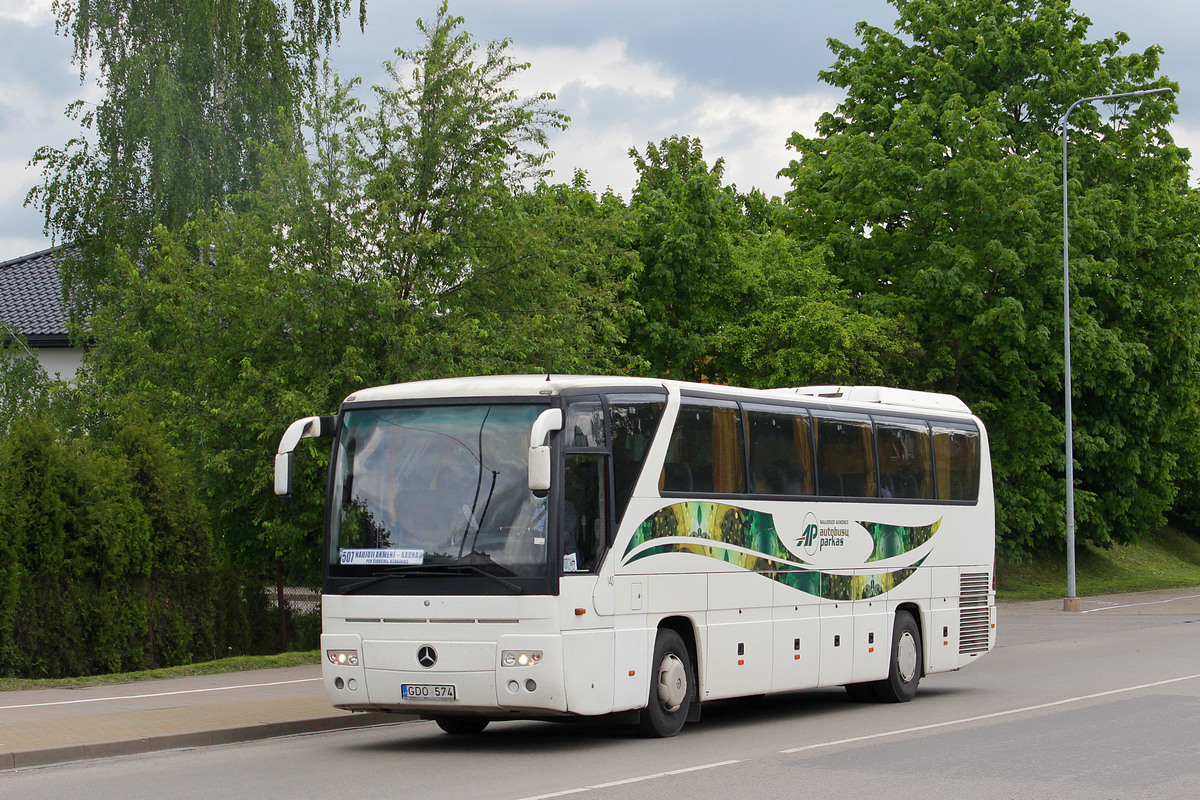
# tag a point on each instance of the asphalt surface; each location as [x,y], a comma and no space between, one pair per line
[50,726]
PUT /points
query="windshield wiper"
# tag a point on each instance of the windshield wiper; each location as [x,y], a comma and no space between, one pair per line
[477,570]
[394,572]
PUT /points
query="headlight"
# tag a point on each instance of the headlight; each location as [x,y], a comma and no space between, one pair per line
[343,658]
[520,658]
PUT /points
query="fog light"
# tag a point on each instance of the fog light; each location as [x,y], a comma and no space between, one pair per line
[342,658]
[531,685]
[353,684]
[520,658]
[337,683]
[514,687]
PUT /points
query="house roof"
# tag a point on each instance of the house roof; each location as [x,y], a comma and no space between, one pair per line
[31,301]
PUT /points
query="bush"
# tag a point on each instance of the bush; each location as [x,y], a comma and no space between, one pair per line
[107,562]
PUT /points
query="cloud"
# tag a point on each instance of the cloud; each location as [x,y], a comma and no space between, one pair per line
[27,12]
[37,81]
[602,65]
[617,102]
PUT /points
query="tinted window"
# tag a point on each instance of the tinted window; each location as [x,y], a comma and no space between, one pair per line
[956,453]
[705,454]
[585,517]
[905,460]
[584,425]
[633,420]
[845,457]
[780,451]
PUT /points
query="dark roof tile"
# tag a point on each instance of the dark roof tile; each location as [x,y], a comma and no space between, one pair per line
[31,295]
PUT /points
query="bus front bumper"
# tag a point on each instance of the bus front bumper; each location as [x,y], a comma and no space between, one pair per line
[519,673]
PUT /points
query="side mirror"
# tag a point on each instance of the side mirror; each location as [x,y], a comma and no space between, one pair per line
[285,464]
[539,452]
[285,459]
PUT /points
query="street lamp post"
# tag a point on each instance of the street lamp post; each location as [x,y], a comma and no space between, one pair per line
[1071,603]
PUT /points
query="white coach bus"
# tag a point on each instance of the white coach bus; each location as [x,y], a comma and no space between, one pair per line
[545,547]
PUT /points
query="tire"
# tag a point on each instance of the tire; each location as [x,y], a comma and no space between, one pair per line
[906,665]
[462,726]
[672,687]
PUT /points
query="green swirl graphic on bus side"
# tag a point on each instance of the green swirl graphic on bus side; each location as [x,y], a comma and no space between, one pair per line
[895,540]
[748,539]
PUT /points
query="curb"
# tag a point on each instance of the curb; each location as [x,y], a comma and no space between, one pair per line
[20,759]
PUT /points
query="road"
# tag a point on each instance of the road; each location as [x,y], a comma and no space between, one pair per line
[1098,705]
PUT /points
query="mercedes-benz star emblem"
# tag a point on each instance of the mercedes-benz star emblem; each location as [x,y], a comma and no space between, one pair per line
[426,656]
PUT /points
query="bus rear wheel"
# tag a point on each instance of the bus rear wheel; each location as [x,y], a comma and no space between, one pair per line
[672,687]
[904,674]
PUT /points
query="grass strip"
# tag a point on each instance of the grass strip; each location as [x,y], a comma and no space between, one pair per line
[233,664]
[1163,560]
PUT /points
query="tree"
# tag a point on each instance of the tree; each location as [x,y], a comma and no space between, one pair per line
[24,385]
[796,325]
[372,263]
[432,169]
[935,186]
[686,219]
[726,297]
[189,88]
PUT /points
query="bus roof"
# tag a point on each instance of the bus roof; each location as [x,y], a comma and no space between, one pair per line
[882,395]
[861,397]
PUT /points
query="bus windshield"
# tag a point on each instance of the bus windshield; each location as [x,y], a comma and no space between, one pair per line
[437,486]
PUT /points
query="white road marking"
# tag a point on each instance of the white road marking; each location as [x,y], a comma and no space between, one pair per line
[638,779]
[158,694]
[1147,603]
[980,717]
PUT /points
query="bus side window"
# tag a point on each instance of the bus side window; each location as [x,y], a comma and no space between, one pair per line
[780,451]
[707,439]
[956,456]
[845,457]
[585,514]
[584,424]
[905,462]
[633,419]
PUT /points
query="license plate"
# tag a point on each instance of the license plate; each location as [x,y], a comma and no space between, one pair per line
[427,691]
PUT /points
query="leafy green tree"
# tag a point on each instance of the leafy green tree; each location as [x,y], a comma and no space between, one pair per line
[935,185]
[24,385]
[796,326]
[686,220]
[189,87]
[224,339]
[561,302]
[726,297]
[354,269]
[434,166]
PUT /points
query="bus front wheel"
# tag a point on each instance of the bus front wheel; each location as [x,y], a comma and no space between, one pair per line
[904,674]
[672,687]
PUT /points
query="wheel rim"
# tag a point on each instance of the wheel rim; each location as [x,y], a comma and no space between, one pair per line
[672,683]
[906,657]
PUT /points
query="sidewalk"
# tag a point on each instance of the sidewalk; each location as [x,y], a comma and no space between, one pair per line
[50,726]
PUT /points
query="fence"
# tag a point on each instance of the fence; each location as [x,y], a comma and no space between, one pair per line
[298,611]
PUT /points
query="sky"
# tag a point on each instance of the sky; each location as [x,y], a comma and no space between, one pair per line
[740,76]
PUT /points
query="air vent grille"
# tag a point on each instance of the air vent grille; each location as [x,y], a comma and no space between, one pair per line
[973,621]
